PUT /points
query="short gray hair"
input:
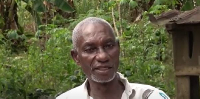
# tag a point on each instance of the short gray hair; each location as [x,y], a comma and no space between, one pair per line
[78,28]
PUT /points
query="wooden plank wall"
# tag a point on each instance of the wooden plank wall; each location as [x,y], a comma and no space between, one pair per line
[186,50]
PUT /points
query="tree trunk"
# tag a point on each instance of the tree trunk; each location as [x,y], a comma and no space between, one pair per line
[13,18]
[8,10]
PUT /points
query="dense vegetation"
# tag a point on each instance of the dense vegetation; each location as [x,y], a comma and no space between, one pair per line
[35,44]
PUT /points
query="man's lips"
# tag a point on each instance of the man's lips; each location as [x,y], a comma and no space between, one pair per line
[102,69]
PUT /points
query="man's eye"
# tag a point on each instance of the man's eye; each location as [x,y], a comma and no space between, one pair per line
[90,50]
[109,46]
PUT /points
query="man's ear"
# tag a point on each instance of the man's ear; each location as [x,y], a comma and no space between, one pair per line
[74,55]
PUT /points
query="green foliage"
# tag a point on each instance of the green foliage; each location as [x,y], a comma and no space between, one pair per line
[133,4]
[38,6]
[165,2]
[46,69]
[1,22]
[14,41]
[12,34]
[188,5]
[83,6]
[158,9]
[63,5]
[144,55]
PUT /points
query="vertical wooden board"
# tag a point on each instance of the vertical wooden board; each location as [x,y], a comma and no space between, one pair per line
[182,87]
[196,50]
[180,48]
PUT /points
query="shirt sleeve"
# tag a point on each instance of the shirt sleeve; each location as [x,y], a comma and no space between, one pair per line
[158,94]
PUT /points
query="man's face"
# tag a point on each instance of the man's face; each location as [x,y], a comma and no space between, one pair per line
[97,53]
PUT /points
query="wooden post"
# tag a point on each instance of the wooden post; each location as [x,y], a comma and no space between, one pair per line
[182,87]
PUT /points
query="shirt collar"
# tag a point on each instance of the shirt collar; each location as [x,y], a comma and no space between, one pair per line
[128,90]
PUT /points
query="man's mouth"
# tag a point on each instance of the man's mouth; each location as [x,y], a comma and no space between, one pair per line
[102,70]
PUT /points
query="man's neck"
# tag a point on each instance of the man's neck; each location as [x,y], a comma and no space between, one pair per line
[109,90]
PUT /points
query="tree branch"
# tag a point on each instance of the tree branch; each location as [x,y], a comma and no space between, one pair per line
[120,19]
[115,27]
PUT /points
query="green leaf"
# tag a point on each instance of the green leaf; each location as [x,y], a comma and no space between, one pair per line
[198,2]
[38,6]
[188,5]
[12,34]
[34,14]
[63,5]
[111,3]
[133,4]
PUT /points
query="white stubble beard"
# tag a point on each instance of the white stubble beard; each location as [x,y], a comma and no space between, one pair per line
[96,79]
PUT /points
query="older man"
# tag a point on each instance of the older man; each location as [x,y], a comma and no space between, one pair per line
[97,51]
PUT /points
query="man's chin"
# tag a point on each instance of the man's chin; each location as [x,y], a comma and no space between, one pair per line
[101,80]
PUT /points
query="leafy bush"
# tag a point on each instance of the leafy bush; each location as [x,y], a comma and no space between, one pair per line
[47,68]
[145,55]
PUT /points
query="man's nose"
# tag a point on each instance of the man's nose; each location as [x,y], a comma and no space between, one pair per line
[102,55]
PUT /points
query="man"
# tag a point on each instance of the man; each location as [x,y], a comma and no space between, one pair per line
[97,51]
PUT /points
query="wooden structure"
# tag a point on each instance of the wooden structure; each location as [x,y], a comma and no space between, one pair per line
[185,30]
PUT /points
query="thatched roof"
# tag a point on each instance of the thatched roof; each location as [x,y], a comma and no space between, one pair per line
[177,17]
[188,17]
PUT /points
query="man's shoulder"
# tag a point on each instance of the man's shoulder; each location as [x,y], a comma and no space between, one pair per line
[148,91]
[138,86]
[72,93]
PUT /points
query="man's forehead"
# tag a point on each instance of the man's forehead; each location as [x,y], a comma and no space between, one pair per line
[92,32]
[91,28]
